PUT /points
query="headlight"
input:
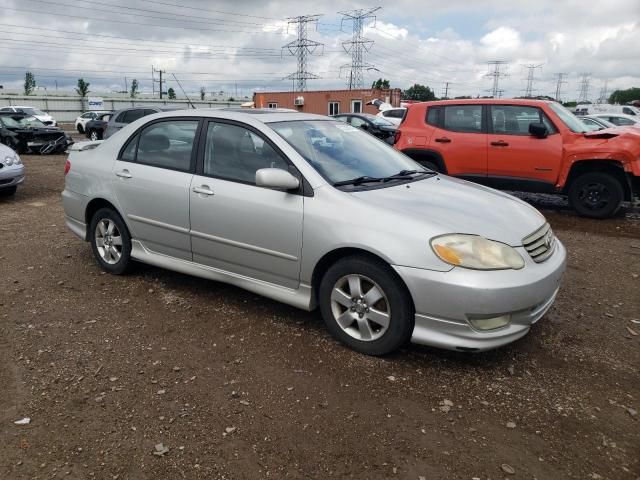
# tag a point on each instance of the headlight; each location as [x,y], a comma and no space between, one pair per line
[472,251]
[12,160]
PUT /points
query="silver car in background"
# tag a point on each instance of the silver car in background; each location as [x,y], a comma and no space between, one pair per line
[316,213]
[11,171]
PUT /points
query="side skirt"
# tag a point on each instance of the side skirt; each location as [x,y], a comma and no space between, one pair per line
[300,298]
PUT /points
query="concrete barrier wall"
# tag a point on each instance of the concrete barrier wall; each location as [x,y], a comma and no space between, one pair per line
[67,109]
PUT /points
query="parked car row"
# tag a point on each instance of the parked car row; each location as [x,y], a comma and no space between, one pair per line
[24,133]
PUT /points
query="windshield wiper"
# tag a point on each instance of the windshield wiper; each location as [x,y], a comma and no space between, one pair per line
[405,174]
[358,181]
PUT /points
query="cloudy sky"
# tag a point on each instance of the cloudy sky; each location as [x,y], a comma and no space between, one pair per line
[236,45]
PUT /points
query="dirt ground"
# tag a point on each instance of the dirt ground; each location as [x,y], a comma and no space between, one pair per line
[241,387]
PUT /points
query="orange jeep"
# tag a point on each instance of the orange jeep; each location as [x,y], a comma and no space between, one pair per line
[527,145]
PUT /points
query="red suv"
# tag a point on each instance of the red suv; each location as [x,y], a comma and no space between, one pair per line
[527,145]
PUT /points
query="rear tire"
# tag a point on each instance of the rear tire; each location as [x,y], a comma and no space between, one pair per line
[110,241]
[80,128]
[596,195]
[94,136]
[366,306]
[8,192]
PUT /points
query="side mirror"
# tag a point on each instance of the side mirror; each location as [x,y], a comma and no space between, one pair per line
[364,126]
[538,130]
[276,178]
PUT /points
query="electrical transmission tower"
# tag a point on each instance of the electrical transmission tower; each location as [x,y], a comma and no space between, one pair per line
[301,48]
[497,73]
[528,92]
[358,45]
[560,80]
[585,79]
[604,91]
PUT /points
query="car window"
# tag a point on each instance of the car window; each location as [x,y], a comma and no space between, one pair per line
[132,115]
[167,144]
[129,152]
[342,119]
[149,112]
[236,153]
[394,113]
[463,118]
[358,122]
[85,115]
[628,111]
[7,109]
[433,116]
[120,118]
[621,121]
[515,119]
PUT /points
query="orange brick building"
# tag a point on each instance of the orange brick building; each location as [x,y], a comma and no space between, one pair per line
[327,102]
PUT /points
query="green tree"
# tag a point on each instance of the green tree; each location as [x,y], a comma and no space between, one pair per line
[625,96]
[29,83]
[203,93]
[83,87]
[172,94]
[419,92]
[134,88]
[381,84]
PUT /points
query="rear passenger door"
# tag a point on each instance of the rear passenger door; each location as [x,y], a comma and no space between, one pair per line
[460,138]
[237,226]
[517,159]
[151,180]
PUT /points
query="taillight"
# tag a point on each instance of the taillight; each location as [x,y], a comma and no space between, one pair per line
[67,167]
[396,137]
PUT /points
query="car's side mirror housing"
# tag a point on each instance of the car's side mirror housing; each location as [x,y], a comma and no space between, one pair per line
[538,130]
[276,178]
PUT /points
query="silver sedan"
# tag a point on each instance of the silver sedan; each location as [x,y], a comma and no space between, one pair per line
[317,214]
[11,171]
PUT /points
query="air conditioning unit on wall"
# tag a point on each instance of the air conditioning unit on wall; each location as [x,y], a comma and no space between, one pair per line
[299,101]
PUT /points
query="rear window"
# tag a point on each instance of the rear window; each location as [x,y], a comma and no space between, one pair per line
[132,115]
[433,116]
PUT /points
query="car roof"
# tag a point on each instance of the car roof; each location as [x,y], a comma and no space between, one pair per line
[249,114]
[15,114]
[484,101]
[623,115]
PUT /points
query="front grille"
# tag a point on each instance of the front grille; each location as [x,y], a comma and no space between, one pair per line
[540,244]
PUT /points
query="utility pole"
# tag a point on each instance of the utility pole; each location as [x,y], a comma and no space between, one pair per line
[153,82]
[445,90]
[585,79]
[604,92]
[301,48]
[160,72]
[160,84]
[358,45]
[126,85]
[560,80]
[528,93]
[496,74]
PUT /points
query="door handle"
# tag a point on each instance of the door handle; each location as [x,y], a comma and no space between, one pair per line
[124,174]
[443,140]
[204,190]
[500,143]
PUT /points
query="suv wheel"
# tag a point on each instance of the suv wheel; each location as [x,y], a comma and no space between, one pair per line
[596,195]
[80,128]
[8,192]
[110,241]
[366,306]
[94,136]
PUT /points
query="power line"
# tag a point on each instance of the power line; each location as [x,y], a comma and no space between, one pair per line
[560,80]
[585,79]
[496,74]
[528,93]
[301,48]
[357,45]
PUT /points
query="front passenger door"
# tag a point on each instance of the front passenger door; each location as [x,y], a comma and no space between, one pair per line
[237,226]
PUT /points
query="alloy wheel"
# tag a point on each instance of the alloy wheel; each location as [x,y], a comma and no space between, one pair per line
[594,196]
[108,241]
[360,307]
[94,135]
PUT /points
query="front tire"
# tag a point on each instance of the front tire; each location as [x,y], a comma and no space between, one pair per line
[8,192]
[366,306]
[596,195]
[110,241]
[80,128]
[94,136]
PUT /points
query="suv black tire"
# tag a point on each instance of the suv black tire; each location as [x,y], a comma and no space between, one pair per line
[123,264]
[596,195]
[80,128]
[397,302]
[8,192]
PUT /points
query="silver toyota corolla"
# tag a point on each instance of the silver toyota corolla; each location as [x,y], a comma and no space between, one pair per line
[316,213]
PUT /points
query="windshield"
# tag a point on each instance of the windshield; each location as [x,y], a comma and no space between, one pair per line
[380,121]
[342,152]
[31,111]
[21,121]
[572,122]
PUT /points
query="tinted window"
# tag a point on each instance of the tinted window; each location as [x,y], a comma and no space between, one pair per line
[394,113]
[149,112]
[120,118]
[132,115]
[433,116]
[167,144]
[621,121]
[515,119]
[628,111]
[235,153]
[463,118]
[7,109]
[358,122]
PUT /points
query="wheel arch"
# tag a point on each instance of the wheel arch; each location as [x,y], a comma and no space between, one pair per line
[427,155]
[330,258]
[93,206]
[612,167]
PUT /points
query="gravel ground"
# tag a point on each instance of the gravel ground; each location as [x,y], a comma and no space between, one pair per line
[157,375]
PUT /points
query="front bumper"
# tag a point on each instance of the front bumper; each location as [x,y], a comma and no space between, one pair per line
[11,176]
[445,300]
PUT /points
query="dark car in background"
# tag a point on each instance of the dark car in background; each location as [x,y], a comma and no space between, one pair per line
[124,117]
[376,126]
[25,133]
[94,129]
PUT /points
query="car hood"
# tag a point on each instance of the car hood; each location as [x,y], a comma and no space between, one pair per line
[455,206]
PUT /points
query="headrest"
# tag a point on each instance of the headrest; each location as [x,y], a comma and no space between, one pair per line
[154,143]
